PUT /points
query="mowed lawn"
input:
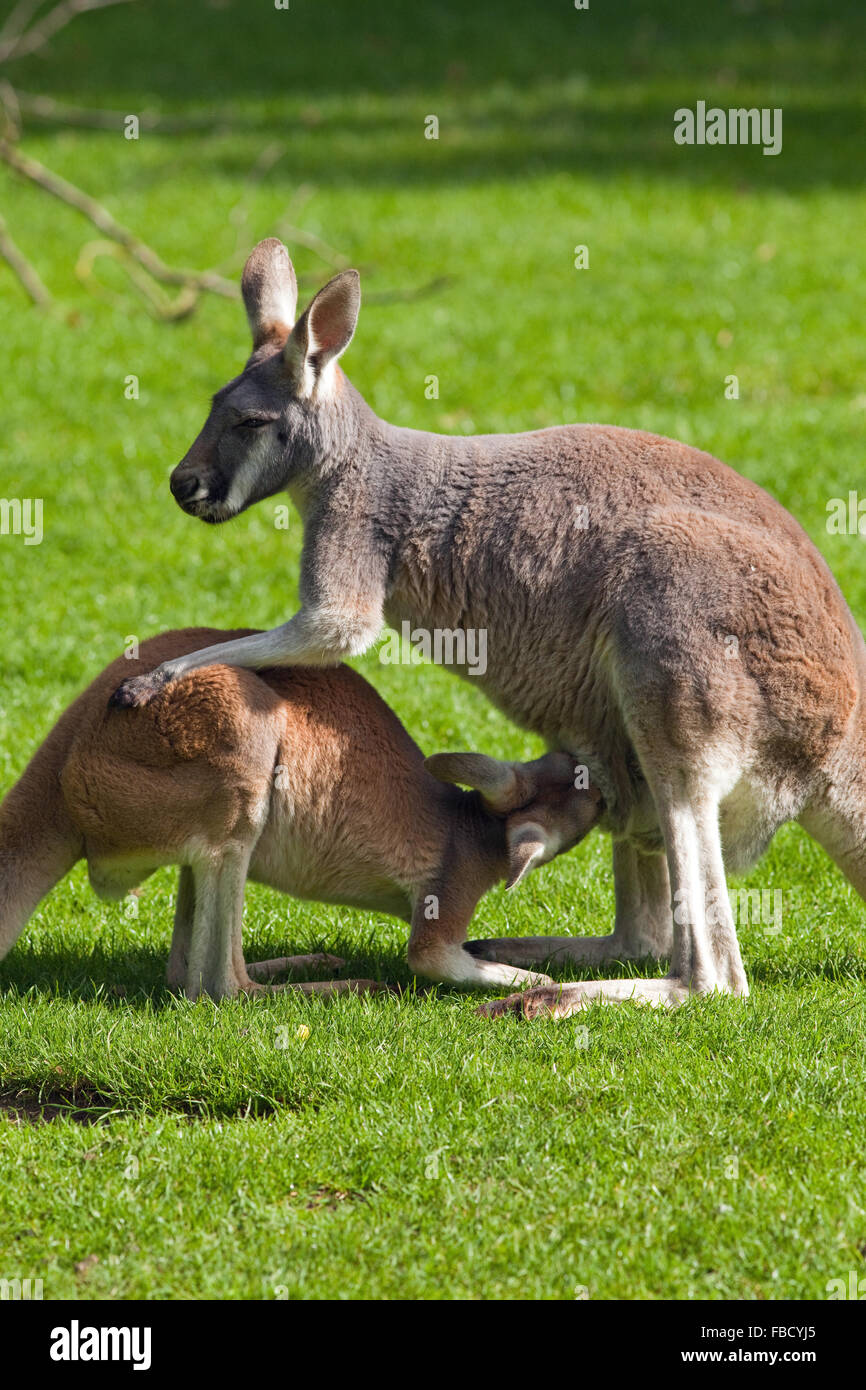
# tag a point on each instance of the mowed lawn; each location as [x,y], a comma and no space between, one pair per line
[403,1147]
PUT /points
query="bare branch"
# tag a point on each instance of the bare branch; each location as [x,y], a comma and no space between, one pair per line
[98,118]
[286,231]
[46,109]
[109,226]
[162,305]
[18,18]
[38,34]
[22,34]
[11,111]
[22,268]
[439,282]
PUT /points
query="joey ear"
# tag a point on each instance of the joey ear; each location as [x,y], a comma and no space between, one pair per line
[527,844]
[270,292]
[496,781]
[325,329]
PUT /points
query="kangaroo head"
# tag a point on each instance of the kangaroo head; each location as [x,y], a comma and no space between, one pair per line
[285,413]
[544,812]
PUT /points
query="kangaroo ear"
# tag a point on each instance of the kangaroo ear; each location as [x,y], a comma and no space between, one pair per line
[496,781]
[325,329]
[270,291]
[528,844]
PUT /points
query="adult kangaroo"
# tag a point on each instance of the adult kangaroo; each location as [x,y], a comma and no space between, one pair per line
[301,779]
[646,608]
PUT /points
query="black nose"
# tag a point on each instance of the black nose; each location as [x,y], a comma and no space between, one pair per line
[184,486]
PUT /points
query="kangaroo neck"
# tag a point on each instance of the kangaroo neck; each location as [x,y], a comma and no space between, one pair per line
[395,475]
[481,836]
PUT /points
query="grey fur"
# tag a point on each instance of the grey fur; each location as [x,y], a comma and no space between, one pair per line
[610,568]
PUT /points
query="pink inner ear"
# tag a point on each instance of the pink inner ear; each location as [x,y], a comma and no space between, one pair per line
[327,330]
[331,321]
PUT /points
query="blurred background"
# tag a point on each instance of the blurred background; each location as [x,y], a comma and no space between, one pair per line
[555,129]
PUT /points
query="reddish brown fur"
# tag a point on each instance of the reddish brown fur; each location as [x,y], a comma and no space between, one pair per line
[301,778]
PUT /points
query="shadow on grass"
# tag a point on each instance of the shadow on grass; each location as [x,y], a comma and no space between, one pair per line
[518,89]
[135,977]
[31,1101]
[765,972]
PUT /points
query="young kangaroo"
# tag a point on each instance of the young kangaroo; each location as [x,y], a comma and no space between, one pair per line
[644,605]
[301,779]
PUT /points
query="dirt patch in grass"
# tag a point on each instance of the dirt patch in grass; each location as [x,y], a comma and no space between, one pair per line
[331,1198]
[27,1104]
[326,1198]
[23,1102]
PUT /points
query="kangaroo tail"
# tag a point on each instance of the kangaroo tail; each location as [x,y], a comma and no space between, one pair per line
[38,841]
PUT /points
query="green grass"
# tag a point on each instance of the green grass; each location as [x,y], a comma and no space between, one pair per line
[407,1148]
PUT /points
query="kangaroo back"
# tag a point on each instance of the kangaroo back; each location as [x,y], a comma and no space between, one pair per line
[38,841]
[41,831]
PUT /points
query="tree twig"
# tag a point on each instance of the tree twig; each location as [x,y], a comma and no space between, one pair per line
[18,18]
[25,272]
[286,231]
[109,226]
[162,304]
[439,282]
[29,39]
[11,110]
[23,33]
[101,118]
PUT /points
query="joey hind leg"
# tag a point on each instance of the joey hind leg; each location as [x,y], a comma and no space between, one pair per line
[643,925]
[264,970]
[207,946]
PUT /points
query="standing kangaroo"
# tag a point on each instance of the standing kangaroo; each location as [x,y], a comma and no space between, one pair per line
[645,607]
[301,779]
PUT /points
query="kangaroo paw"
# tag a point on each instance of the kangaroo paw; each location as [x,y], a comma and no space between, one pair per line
[136,691]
